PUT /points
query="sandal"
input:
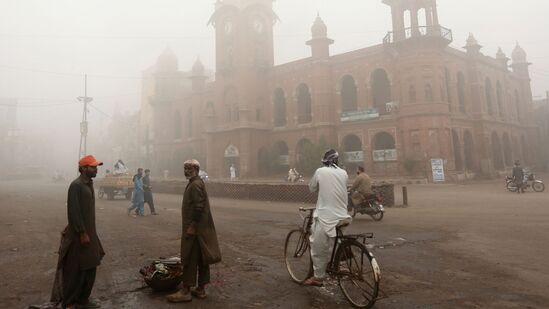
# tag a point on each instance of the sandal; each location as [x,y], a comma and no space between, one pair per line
[312,281]
[198,293]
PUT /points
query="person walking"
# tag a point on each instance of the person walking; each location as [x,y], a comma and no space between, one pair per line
[80,252]
[518,177]
[330,181]
[148,196]
[138,198]
[199,245]
[232,172]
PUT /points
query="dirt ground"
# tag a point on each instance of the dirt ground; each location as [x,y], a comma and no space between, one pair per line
[456,246]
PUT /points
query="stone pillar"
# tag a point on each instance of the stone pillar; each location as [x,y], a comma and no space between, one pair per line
[398,24]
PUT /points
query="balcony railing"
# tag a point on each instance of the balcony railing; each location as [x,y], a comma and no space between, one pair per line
[423,31]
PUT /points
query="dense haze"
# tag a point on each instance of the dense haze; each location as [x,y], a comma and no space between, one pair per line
[47,46]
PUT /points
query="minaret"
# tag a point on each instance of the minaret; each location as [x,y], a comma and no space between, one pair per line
[320,43]
[502,58]
[198,78]
[520,63]
[473,47]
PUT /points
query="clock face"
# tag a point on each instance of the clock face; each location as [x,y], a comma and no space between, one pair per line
[228,27]
[258,25]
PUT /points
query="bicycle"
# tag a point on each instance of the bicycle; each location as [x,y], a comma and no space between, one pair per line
[355,268]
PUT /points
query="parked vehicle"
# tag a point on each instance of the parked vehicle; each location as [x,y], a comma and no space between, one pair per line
[529,181]
[113,185]
[203,175]
[372,206]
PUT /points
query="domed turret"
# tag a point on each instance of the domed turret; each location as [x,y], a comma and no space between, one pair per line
[319,28]
[167,61]
[198,68]
[519,55]
[502,58]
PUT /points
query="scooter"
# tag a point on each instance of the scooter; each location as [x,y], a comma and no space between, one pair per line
[371,206]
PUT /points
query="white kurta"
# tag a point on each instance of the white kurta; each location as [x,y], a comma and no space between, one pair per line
[331,209]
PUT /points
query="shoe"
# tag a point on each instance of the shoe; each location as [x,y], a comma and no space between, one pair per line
[180,297]
[312,281]
[89,305]
[198,293]
[154,213]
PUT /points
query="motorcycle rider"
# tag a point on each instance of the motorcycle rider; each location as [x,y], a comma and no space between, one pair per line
[330,181]
[361,190]
[518,177]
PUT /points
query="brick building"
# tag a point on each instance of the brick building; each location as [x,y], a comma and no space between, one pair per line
[391,107]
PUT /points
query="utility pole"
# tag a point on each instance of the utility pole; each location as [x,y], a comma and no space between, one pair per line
[84,124]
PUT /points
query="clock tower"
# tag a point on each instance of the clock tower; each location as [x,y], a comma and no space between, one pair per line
[244,59]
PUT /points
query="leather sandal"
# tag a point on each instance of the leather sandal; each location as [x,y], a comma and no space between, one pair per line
[312,281]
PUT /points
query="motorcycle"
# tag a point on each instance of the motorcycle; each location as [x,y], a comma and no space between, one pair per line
[371,206]
[529,181]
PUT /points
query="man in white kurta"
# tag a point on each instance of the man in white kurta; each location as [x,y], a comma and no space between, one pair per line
[330,181]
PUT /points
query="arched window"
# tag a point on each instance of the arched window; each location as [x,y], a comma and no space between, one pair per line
[303,146]
[488,93]
[428,93]
[457,151]
[304,108]
[517,104]
[279,108]
[468,148]
[507,151]
[461,91]
[448,87]
[499,98]
[381,90]
[412,97]
[348,94]
[352,146]
[210,111]
[177,125]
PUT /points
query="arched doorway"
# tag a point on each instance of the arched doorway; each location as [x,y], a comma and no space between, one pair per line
[231,156]
[497,152]
[348,94]
[457,151]
[381,90]
[354,155]
[507,151]
[280,150]
[384,147]
[468,150]
[263,162]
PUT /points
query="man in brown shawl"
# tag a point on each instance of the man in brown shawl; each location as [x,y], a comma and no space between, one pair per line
[199,246]
[80,252]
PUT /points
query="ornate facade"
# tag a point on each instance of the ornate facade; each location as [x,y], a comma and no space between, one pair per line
[390,107]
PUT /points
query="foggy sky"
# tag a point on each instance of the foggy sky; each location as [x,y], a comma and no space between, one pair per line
[47,46]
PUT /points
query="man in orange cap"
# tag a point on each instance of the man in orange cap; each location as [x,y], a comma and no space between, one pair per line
[80,252]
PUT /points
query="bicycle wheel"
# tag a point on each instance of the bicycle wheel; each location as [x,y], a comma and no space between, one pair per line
[297,256]
[358,274]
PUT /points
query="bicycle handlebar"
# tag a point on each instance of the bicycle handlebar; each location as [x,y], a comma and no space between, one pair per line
[307,209]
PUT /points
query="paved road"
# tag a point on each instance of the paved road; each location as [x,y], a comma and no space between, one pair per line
[468,246]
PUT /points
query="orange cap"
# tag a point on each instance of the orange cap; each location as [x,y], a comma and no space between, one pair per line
[89,161]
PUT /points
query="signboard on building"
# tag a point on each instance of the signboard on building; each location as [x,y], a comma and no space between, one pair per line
[385,155]
[284,160]
[359,115]
[437,166]
[354,156]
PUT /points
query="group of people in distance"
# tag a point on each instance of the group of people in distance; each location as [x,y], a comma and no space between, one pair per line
[142,193]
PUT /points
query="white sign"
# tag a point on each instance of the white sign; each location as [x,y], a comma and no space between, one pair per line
[354,156]
[284,160]
[437,166]
[385,155]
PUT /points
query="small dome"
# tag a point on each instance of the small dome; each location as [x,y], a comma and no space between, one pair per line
[319,28]
[500,54]
[518,55]
[167,61]
[198,68]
